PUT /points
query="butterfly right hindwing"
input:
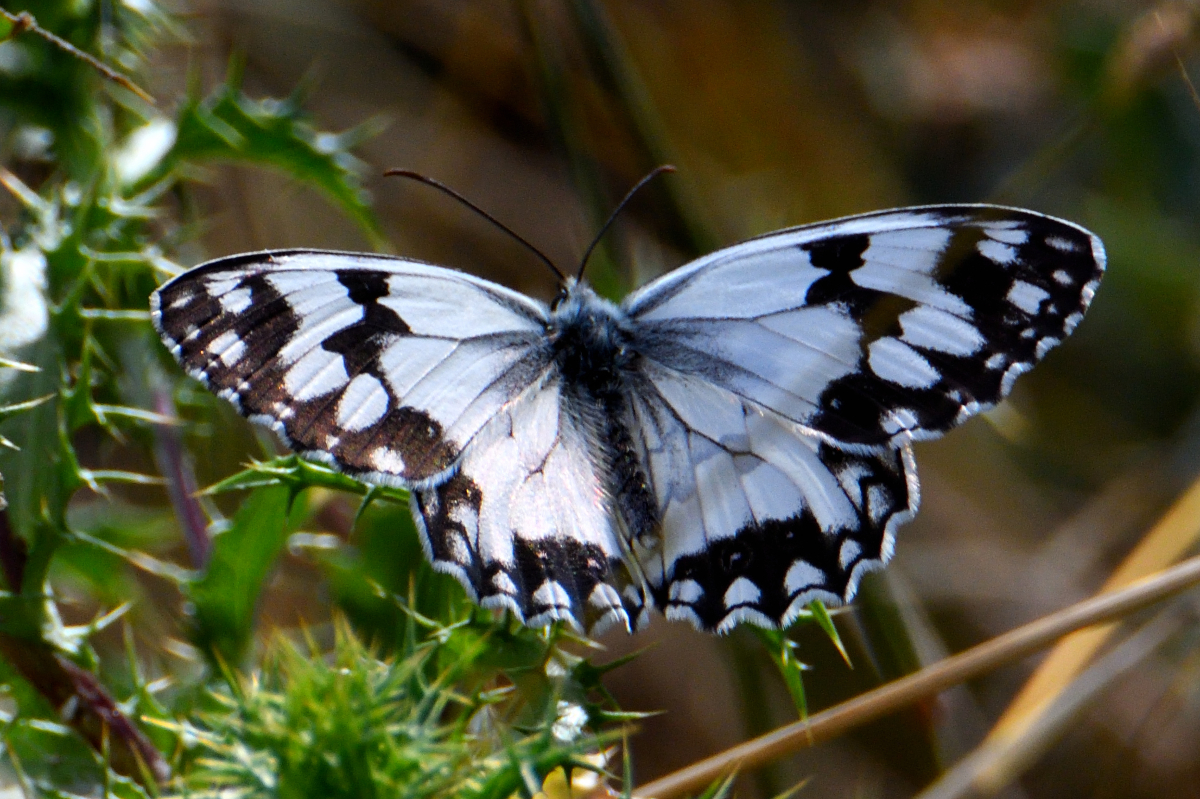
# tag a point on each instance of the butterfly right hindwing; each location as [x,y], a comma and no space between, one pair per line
[525,522]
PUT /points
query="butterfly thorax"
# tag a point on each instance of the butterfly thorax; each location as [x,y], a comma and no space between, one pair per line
[591,342]
[590,337]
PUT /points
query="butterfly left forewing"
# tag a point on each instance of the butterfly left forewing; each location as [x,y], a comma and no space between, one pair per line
[878,329]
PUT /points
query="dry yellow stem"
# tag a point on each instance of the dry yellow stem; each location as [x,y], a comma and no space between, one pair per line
[1175,534]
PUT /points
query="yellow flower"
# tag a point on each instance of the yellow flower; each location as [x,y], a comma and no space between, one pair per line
[584,784]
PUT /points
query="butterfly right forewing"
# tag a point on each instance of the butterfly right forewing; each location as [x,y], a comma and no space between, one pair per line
[383,367]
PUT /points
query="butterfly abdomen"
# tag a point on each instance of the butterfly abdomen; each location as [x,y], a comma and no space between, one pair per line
[592,349]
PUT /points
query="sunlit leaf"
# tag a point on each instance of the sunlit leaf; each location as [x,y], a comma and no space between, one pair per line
[230,126]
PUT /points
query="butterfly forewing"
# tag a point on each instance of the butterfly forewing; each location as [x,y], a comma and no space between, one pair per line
[384,367]
[877,329]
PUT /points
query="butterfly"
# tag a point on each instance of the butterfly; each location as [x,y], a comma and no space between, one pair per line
[727,444]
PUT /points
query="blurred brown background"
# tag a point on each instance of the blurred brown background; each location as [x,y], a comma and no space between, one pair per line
[781,113]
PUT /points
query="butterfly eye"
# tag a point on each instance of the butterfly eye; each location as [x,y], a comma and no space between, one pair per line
[559,298]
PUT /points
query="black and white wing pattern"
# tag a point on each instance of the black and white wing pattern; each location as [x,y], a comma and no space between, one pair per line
[406,374]
[383,367]
[757,517]
[525,522]
[783,379]
[728,444]
[877,329]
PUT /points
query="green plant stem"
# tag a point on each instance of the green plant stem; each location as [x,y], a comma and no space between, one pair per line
[78,696]
[888,698]
[19,23]
[85,704]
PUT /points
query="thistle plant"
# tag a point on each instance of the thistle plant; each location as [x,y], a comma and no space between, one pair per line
[103,505]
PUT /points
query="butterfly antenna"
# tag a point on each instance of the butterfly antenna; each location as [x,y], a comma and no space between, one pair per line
[442,187]
[658,170]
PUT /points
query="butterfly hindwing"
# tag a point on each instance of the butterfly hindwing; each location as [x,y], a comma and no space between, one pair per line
[525,522]
[881,328]
[757,518]
[384,367]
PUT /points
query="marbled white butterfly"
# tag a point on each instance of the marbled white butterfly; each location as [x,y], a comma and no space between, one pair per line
[729,443]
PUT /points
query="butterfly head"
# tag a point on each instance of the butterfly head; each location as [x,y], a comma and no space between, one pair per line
[576,300]
[575,294]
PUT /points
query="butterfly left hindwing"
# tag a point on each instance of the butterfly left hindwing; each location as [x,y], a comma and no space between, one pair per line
[525,521]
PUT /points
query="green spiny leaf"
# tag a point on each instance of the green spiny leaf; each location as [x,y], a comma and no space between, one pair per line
[298,473]
[821,616]
[226,595]
[229,126]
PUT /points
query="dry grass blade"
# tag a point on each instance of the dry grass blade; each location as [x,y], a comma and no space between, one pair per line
[1171,538]
[978,660]
[963,779]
